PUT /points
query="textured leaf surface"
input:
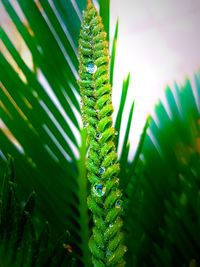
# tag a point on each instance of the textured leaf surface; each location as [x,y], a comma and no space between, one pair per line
[104,199]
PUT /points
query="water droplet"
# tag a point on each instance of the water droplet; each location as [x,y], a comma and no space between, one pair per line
[98,135]
[99,190]
[87,26]
[116,133]
[85,124]
[110,225]
[91,68]
[118,204]
[108,253]
[101,170]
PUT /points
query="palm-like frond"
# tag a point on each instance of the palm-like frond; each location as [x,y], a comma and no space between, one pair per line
[164,197]
[40,127]
[22,243]
[40,113]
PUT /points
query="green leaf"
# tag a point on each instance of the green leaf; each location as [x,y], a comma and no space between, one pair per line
[135,160]
[40,117]
[83,193]
[125,150]
[20,243]
[105,14]
[113,53]
[121,108]
[163,193]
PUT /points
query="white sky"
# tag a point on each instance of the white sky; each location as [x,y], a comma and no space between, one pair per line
[158,43]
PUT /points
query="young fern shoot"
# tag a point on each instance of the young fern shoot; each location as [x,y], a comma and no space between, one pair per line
[104,201]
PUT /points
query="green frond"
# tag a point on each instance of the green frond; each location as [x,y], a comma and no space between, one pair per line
[39,112]
[24,239]
[164,195]
[113,53]
[40,127]
[121,108]
[105,14]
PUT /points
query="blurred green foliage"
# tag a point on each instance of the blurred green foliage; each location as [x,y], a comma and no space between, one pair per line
[164,199]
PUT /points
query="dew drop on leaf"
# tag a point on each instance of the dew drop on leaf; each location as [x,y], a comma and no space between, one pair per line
[98,135]
[118,204]
[86,26]
[91,68]
[99,190]
[101,170]
[108,253]
[85,124]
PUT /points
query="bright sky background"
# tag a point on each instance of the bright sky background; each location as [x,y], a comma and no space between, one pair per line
[158,43]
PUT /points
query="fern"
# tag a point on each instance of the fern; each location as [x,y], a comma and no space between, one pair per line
[106,242]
